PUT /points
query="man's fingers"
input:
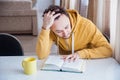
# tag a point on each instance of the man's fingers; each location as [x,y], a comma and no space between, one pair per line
[70,58]
[47,14]
[56,15]
[64,57]
[53,13]
[73,58]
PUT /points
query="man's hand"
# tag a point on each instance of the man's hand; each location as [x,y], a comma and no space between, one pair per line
[48,19]
[71,57]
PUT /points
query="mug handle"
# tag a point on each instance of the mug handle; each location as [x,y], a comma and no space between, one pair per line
[23,64]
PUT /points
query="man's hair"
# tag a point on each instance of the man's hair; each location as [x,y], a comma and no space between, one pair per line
[56,9]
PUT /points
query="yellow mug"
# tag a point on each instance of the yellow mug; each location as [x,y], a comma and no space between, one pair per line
[30,65]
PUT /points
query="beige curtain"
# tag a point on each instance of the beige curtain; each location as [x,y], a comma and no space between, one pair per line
[106,15]
[98,12]
[84,8]
[80,5]
[115,28]
[70,4]
[92,10]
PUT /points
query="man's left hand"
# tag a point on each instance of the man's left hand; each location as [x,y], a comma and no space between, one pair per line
[71,57]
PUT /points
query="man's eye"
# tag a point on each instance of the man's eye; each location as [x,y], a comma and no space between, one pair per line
[66,27]
[58,32]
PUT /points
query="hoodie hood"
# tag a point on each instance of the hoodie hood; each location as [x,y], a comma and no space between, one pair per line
[88,40]
[68,44]
[74,17]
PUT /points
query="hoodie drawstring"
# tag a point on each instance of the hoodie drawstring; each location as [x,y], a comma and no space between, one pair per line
[72,43]
[57,45]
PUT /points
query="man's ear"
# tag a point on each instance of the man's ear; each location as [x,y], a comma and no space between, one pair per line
[52,27]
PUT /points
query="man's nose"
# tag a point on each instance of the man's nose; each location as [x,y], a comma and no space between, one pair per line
[65,33]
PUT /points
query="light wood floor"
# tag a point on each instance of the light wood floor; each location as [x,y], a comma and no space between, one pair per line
[29,44]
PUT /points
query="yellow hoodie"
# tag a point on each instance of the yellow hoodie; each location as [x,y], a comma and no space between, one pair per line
[88,40]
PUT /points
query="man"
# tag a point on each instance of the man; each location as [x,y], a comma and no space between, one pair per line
[70,31]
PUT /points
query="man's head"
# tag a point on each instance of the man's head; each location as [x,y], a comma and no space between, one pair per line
[61,25]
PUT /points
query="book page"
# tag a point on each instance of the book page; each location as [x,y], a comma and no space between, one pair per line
[53,62]
[76,66]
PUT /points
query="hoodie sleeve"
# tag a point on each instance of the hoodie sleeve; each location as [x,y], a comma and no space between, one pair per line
[100,48]
[44,44]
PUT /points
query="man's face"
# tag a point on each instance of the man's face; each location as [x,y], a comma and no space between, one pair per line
[62,27]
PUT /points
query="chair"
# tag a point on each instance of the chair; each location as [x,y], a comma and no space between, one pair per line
[10,45]
[105,35]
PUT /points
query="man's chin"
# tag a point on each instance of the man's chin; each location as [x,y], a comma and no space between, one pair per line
[66,37]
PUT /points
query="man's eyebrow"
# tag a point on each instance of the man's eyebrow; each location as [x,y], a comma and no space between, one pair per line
[58,30]
[61,30]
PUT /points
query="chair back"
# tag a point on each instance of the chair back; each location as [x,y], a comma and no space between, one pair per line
[105,35]
[10,45]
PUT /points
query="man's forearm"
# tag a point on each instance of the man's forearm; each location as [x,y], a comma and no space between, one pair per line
[43,44]
[100,52]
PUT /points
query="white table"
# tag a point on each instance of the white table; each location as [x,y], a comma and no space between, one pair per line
[97,69]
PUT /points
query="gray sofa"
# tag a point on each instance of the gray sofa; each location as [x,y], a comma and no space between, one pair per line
[18,17]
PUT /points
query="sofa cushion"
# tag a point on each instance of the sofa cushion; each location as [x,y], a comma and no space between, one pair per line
[12,24]
[34,2]
[18,13]
[15,5]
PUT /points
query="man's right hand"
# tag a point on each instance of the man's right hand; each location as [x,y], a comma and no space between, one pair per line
[48,19]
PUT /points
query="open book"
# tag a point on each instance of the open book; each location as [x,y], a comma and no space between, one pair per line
[56,63]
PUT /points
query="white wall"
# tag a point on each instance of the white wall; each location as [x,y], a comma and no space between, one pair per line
[43,4]
[57,2]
